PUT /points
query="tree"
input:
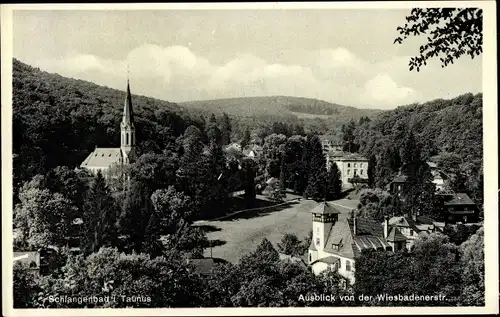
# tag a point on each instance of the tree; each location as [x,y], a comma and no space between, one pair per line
[291,245]
[348,137]
[249,169]
[334,182]
[246,138]
[316,181]
[156,282]
[292,158]
[472,263]
[213,131]
[42,217]
[372,169]
[451,33]
[273,149]
[99,217]
[25,287]
[171,206]
[225,129]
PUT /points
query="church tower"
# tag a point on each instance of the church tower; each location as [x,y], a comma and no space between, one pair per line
[128,140]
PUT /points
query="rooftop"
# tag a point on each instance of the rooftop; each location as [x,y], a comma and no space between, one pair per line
[325,208]
[395,235]
[102,157]
[345,156]
[456,199]
[330,138]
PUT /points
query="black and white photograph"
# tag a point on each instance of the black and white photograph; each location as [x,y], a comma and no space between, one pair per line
[329,157]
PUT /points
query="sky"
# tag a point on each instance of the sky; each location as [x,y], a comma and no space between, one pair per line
[344,56]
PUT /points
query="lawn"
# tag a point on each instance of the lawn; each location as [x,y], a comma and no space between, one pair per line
[231,238]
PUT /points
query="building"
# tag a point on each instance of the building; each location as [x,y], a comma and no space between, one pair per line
[439,178]
[336,244]
[457,207]
[330,143]
[411,227]
[102,159]
[349,164]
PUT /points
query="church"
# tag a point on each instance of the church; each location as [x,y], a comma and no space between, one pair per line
[103,159]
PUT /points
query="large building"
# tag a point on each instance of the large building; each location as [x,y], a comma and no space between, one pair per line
[102,159]
[350,165]
[336,244]
[457,207]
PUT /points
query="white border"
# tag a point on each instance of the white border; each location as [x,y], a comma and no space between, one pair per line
[489,150]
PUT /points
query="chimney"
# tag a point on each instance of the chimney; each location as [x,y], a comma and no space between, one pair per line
[386,227]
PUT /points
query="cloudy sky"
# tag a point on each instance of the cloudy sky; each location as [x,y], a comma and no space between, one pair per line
[342,56]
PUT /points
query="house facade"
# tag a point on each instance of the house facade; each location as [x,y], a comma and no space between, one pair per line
[104,159]
[337,243]
[349,164]
[411,227]
[457,207]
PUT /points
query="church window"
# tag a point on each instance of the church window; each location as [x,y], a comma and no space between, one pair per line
[310,257]
[317,241]
[126,138]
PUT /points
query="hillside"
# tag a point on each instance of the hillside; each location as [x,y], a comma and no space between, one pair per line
[281,106]
[58,120]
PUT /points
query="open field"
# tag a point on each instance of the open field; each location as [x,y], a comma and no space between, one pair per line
[232,238]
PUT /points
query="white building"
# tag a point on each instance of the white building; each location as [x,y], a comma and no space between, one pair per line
[349,165]
[336,244]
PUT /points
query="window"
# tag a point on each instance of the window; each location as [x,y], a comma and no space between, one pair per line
[411,232]
[310,257]
[348,265]
[355,171]
[361,172]
[348,172]
[360,165]
[355,164]
[348,164]
[317,241]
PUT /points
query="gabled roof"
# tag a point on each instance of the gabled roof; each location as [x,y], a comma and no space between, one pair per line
[325,208]
[102,157]
[367,226]
[395,235]
[459,199]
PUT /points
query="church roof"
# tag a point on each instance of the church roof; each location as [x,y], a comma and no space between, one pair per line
[102,157]
[325,208]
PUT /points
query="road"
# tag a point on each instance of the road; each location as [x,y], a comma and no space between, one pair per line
[234,238]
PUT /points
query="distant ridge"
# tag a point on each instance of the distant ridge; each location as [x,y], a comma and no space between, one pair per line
[280,106]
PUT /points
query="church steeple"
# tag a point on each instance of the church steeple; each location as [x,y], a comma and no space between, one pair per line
[128,115]
[128,141]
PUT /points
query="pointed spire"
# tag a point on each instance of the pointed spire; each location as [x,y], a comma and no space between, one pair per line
[128,117]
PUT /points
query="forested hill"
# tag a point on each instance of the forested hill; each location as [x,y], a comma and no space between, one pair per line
[59,120]
[281,106]
[453,125]
[449,132]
